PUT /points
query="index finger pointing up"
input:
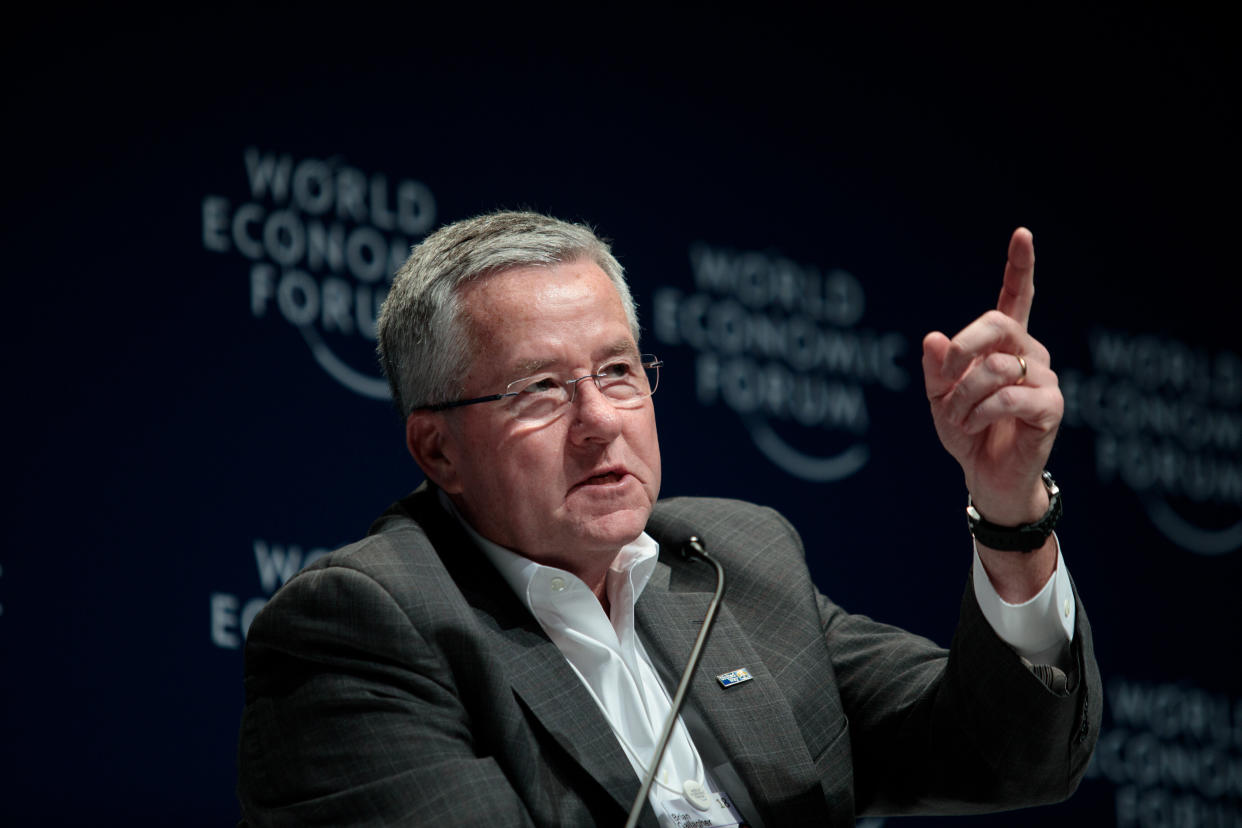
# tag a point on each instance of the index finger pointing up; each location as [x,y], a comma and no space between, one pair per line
[1019,289]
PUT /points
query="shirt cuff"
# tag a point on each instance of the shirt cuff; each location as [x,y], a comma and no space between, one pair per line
[1038,629]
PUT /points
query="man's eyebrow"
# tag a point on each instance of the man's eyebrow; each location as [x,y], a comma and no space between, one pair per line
[530,367]
[622,347]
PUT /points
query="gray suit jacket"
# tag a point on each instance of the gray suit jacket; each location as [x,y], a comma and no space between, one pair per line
[399,681]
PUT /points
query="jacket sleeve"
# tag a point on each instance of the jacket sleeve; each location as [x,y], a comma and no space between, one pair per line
[351,718]
[971,729]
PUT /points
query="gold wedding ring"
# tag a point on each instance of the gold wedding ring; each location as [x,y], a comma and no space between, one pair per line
[1022,365]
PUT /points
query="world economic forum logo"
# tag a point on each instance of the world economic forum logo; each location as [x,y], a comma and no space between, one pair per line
[323,240]
[779,343]
[1167,421]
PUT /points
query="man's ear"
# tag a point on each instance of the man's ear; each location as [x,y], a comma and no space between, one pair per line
[430,444]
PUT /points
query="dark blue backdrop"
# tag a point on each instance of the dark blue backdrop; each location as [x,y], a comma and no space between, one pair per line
[199,215]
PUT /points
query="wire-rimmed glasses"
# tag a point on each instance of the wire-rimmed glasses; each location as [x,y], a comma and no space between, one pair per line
[625,381]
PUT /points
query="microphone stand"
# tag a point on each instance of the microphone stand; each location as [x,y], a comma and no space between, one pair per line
[693,548]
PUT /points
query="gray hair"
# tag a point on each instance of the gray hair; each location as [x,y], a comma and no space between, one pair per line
[424,344]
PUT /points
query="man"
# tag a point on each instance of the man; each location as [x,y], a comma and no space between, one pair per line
[500,649]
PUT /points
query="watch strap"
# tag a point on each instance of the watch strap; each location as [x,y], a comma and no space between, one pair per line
[1025,538]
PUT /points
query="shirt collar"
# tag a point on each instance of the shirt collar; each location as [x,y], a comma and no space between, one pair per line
[627,575]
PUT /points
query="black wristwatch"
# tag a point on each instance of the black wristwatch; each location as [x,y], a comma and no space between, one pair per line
[1025,538]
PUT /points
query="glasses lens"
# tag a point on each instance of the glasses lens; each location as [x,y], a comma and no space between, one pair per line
[629,380]
[623,379]
[651,367]
[537,398]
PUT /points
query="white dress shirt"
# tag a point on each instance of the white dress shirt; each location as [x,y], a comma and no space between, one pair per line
[605,652]
[1039,629]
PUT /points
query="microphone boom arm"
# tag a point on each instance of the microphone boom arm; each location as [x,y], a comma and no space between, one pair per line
[693,549]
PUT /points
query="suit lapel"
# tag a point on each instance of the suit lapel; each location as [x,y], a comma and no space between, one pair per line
[540,676]
[549,688]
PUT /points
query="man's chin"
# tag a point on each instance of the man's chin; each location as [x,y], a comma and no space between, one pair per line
[615,529]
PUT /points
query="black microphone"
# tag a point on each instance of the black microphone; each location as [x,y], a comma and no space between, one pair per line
[692,548]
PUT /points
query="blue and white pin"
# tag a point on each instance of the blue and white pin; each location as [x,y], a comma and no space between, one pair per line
[733,677]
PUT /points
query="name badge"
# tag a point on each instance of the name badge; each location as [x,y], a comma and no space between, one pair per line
[720,813]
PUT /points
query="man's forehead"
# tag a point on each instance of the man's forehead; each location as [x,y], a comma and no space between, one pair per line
[502,303]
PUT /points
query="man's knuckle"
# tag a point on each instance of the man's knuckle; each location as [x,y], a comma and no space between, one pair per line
[997,320]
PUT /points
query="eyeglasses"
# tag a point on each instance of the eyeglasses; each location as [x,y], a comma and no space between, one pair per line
[624,381]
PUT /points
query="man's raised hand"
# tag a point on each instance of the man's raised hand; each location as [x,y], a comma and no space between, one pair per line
[995,399]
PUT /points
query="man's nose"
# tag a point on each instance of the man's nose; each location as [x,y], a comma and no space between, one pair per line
[594,414]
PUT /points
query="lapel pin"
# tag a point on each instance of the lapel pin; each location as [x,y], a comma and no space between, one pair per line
[734,677]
